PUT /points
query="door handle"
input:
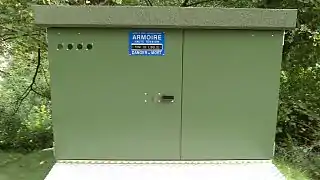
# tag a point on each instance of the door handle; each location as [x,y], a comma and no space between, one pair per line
[161,98]
[166,98]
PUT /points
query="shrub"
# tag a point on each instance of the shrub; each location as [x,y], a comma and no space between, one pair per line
[300,157]
[25,135]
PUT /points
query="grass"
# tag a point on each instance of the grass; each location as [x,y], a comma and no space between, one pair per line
[290,172]
[35,166]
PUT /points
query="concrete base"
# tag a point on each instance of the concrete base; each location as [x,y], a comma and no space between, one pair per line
[164,170]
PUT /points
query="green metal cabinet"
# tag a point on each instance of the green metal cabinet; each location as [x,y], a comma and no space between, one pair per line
[221,65]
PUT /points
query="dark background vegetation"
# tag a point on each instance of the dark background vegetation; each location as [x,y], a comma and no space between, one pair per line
[25,111]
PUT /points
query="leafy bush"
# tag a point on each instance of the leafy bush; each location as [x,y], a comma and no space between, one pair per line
[298,128]
[25,135]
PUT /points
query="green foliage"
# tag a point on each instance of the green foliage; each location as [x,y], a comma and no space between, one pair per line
[34,132]
[24,93]
[300,157]
[298,130]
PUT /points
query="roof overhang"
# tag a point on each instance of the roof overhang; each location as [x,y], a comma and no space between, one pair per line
[164,17]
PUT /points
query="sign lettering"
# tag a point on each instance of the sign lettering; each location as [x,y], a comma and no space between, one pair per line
[146,44]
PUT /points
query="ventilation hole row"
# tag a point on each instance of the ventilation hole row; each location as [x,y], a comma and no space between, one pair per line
[78,47]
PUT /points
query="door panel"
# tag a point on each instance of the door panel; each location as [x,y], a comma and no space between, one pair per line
[99,108]
[230,93]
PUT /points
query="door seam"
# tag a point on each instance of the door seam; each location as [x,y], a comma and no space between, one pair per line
[181,96]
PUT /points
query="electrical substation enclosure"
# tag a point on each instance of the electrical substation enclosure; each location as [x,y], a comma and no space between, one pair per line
[164,85]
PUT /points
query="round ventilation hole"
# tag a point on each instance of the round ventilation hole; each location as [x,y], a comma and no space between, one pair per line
[60,46]
[70,46]
[79,46]
[89,46]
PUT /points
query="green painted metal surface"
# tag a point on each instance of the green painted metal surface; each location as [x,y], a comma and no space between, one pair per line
[98,97]
[230,89]
[230,93]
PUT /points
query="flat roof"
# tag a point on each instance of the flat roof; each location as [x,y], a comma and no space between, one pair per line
[164,17]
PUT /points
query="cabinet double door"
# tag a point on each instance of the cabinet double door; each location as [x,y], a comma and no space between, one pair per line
[199,101]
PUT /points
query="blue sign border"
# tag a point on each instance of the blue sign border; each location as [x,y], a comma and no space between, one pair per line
[149,41]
